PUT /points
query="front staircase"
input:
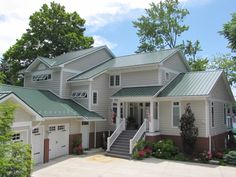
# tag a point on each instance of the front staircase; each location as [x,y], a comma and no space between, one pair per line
[121,146]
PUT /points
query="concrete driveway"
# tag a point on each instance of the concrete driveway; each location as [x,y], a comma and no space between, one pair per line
[102,166]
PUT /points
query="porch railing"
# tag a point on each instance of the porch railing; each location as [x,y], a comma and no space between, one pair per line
[138,135]
[115,134]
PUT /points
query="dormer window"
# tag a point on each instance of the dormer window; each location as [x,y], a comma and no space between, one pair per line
[41,76]
[79,94]
[114,80]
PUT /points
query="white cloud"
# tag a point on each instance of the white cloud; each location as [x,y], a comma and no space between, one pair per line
[14,14]
[99,40]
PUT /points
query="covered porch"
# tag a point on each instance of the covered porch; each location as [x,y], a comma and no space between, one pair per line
[135,113]
[135,105]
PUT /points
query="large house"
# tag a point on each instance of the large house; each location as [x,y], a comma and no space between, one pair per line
[90,94]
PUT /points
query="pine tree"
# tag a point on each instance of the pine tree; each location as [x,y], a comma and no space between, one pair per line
[189,131]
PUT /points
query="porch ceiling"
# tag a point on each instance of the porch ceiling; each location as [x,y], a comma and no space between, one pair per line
[137,91]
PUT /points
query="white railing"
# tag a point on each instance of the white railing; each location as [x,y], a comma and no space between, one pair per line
[115,134]
[138,135]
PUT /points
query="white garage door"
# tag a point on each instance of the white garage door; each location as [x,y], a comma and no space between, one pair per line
[37,145]
[58,140]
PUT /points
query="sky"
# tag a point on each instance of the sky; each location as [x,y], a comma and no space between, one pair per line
[110,22]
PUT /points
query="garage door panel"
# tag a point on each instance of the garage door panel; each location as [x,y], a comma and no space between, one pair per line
[37,145]
[58,140]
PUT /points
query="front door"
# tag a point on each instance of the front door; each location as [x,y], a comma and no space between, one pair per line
[140,114]
[85,134]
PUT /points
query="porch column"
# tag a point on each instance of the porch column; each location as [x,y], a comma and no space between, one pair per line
[95,134]
[126,110]
[118,115]
[151,119]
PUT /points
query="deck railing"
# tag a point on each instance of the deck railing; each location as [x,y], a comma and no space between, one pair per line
[138,135]
[115,134]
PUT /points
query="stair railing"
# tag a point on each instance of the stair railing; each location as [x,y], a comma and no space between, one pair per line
[115,134]
[138,135]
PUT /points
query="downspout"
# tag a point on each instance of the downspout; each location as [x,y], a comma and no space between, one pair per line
[208,132]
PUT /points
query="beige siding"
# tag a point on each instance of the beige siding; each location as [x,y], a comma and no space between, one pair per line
[52,85]
[163,76]
[82,101]
[219,125]
[21,115]
[139,78]
[175,63]
[100,84]
[198,108]
[220,91]
[66,88]
[89,61]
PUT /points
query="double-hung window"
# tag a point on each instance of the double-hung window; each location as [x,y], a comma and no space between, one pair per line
[175,114]
[114,80]
[95,97]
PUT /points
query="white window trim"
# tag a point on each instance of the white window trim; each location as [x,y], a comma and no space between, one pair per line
[36,73]
[114,75]
[172,116]
[94,91]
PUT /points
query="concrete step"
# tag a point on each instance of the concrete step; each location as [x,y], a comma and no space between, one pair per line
[118,154]
[121,149]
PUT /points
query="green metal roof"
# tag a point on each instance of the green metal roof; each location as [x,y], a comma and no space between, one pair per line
[93,71]
[63,58]
[137,91]
[126,61]
[143,58]
[191,84]
[47,104]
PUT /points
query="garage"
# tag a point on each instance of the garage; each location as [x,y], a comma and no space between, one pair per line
[37,145]
[58,140]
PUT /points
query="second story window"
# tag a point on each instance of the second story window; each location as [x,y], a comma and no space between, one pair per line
[114,80]
[95,97]
[79,94]
[41,77]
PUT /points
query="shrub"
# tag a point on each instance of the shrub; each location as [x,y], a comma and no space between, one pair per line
[77,147]
[180,156]
[217,155]
[230,158]
[164,149]
[142,149]
[189,132]
[205,156]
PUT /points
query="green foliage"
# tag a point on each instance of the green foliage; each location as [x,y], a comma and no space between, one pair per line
[15,158]
[205,156]
[190,49]
[188,130]
[229,32]
[77,147]
[200,64]
[142,149]
[228,64]
[160,26]
[180,156]
[164,149]
[230,157]
[52,31]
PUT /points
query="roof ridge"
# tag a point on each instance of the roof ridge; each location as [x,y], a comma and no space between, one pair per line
[146,53]
[79,50]
[207,71]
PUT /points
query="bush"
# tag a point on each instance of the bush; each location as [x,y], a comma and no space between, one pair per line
[217,155]
[180,157]
[77,147]
[230,158]
[164,149]
[205,156]
[142,149]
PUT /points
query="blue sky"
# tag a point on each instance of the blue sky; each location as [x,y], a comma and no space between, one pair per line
[205,20]
[110,22]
